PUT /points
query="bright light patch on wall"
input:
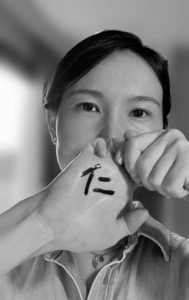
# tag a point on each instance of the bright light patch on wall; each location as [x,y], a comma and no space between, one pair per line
[20,135]
[14,91]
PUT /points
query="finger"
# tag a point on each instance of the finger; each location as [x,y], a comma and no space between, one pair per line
[119,157]
[160,170]
[174,181]
[119,150]
[96,146]
[154,163]
[132,221]
[101,147]
[135,146]
[130,134]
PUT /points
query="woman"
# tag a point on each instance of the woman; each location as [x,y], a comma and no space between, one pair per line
[106,107]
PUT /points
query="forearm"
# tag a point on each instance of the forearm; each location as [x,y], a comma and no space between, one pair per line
[23,234]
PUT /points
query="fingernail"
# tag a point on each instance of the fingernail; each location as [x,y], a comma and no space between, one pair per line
[119,158]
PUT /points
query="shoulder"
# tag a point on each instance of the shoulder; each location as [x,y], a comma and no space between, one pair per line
[29,280]
[179,247]
[180,263]
[31,270]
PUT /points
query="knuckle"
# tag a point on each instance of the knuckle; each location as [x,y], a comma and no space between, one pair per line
[176,133]
[167,187]
[146,182]
[151,184]
[154,183]
[180,145]
[183,146]
[171,190]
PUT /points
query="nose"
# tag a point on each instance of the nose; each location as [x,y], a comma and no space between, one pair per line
[113,127]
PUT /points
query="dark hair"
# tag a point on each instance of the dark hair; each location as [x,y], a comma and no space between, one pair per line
[90,52]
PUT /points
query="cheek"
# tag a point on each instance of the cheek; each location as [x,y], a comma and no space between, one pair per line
[148,126]
[157,124]
[71,138]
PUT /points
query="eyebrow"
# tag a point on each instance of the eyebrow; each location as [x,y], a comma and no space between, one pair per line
[98,94]
[146,99]
[93,93]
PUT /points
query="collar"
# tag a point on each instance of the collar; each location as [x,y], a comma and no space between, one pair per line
[156,232]
[151,229]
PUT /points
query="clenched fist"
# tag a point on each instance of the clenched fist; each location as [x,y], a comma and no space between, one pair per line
[158,160]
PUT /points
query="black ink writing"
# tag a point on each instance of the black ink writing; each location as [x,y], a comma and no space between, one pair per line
[104,179]
[91,172]
[102,191]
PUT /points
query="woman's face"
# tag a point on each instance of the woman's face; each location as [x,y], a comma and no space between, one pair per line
[122,92]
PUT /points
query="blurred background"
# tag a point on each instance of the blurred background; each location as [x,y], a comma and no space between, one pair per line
[34,34]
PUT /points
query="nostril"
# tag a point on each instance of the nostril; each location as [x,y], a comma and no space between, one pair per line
[119,157]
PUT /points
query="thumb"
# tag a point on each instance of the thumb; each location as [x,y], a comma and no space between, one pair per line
[130,134]
[132,221]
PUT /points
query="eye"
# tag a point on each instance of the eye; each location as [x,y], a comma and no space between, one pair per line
[88,107]
[139,113]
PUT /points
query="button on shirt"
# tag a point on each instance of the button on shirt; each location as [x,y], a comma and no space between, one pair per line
[154,265]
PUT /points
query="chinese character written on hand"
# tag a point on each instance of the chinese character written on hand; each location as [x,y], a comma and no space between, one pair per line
[91,172]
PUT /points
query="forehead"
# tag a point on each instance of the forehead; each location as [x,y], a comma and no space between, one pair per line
[122,73]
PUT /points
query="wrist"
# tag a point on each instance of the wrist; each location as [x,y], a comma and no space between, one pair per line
[40,234]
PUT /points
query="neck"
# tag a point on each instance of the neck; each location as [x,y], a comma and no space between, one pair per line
[89,264]
[112,249]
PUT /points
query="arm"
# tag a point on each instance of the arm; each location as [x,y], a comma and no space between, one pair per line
[23,234]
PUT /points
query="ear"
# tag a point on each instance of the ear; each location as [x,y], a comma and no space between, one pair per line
[51,116]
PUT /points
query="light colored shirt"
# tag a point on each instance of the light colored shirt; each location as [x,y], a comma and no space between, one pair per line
[153,265]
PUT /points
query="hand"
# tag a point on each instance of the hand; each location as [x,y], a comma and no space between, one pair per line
[84,219]
[159,161]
